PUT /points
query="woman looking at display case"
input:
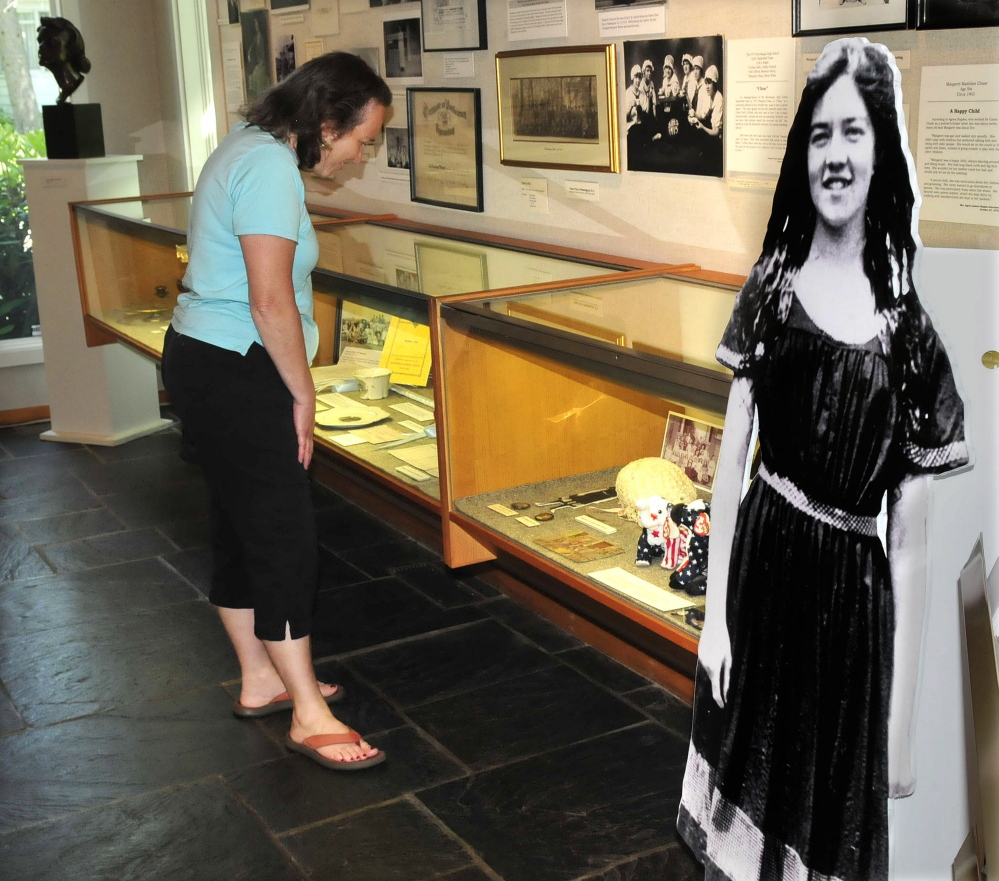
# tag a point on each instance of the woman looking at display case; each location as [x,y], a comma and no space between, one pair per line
[808,659]
[236,365]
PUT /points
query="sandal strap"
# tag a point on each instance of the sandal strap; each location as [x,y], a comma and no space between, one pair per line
[318,741]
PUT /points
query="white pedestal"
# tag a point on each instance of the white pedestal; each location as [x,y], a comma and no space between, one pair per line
[106,395]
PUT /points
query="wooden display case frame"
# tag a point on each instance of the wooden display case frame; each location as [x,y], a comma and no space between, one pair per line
[566,365]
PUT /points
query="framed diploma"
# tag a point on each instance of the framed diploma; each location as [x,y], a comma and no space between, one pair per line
[443,270]
[445,147]
[558,108]
[453,25]
[849,16]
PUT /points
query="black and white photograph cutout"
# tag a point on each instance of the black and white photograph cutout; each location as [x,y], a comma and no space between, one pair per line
[674,106]
[403,55]
[807,674]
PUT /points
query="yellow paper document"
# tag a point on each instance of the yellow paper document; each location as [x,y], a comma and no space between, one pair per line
[407,352]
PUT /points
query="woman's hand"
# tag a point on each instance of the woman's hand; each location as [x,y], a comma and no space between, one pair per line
[305,424]
[715,655]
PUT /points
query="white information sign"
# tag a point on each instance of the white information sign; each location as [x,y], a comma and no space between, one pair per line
[958,166]
[759,106]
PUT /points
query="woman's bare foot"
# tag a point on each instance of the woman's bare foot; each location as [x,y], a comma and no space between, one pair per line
[258,694]
[340,752]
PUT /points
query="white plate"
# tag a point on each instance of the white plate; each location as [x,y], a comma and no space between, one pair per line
[351,417]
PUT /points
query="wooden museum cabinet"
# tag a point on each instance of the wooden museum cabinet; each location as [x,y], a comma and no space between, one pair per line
[523,375]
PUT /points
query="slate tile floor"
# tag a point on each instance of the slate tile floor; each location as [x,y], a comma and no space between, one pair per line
[515,752]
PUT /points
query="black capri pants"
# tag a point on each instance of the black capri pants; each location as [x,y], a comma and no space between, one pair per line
[236,415]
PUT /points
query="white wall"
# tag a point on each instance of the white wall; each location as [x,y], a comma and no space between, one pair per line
[671,218]
[130,45]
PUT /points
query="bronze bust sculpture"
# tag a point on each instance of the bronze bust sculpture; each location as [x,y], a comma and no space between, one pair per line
[60,49]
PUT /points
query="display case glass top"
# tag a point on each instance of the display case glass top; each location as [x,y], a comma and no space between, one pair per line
[583,380]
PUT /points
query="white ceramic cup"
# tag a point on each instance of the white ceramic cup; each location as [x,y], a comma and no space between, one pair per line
[374,382]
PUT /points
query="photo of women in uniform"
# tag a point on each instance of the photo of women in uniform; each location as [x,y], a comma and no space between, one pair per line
[673,111]
[808,661]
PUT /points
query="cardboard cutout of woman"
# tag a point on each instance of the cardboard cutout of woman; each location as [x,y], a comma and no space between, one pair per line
[61,50]
[808,660]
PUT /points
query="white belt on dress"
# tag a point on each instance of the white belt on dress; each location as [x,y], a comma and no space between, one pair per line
[829,514]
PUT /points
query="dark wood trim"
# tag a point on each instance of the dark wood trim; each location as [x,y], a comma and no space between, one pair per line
[25,415]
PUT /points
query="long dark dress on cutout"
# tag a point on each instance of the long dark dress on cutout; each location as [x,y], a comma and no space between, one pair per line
[790,779]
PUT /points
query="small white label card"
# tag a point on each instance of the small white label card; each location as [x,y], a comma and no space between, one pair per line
[534,195]
[459,65]
[588,191]
[346,440]
[528,521]
[502,509]
[536,19]
[616,23]
[421,414]
[413,473]
[631,585]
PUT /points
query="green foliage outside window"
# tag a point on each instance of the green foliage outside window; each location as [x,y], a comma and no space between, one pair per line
[18,304]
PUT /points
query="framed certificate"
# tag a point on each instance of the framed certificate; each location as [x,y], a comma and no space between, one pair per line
[445,147]
[558,108]
[849,16]
[453,25]
[444,271]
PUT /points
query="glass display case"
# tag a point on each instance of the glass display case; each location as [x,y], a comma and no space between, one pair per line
[548,395]
[377,287]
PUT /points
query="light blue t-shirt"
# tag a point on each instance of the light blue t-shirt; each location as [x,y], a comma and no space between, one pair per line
[250,185]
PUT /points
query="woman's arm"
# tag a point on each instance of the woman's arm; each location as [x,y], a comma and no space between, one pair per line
[907,561]
[715,650]
[272,305]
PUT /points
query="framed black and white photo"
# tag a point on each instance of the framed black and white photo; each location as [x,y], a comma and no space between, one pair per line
[397,148]
[958,13]
[693,445]
[558,108]
[673,105]
[360,334]
[445,147]
[850,16]
[451,25]
[402,46]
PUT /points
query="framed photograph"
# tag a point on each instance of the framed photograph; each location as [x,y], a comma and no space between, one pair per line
[694,446]
[558,108]
[360,334]
[454,24]
[850,16]
[445,147]
[443,270]
[255,28]
[673,105]
[958,14]
[232,11]
[397,144]
[288,5]
[403,52]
